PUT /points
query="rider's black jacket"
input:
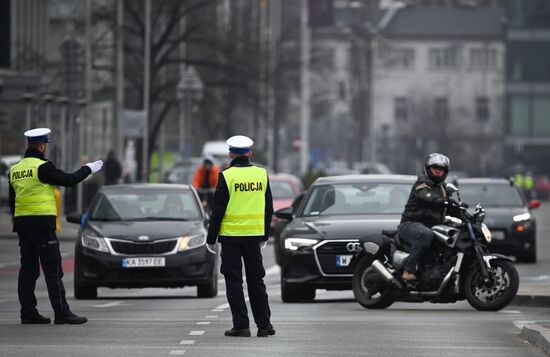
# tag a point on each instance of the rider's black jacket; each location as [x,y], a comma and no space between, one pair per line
[427,202]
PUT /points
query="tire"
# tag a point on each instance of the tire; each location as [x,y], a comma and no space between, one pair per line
[382,299]
[297,294]
[501,272]
[82,291]
[210,289]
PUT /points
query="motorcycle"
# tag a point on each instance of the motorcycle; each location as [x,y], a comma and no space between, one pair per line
[458,266]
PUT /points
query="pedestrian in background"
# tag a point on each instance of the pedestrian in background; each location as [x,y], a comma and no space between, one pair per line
[241,216]
[33,206]
[113,169]
[206,180]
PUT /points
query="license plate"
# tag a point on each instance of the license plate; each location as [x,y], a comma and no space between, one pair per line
[498,235]
[343,260]
[142,262]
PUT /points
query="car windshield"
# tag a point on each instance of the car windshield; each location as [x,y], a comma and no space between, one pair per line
[491,195]
[134,205]
[357,198]
[281,189]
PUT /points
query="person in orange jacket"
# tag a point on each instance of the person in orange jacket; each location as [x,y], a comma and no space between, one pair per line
[206,180]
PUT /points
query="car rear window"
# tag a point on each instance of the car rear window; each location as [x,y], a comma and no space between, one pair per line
[491,195]
[281,189]
[359,198]
[145,205]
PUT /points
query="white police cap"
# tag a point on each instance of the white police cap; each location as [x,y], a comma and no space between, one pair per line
[38,135]
[239,142]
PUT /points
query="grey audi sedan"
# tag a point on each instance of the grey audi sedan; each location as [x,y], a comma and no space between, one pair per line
[316,249]
[143,235]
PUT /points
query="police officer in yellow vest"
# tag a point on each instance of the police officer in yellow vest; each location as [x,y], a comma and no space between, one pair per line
[240,220]
[33,205]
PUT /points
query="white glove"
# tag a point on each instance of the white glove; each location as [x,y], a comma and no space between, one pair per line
[211,248]
[263,244]
[95,166]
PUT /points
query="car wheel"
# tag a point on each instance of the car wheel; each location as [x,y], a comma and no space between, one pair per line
[210,289]
[82,291]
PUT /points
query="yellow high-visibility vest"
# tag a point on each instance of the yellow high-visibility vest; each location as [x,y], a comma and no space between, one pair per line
[245,212]
[32,197]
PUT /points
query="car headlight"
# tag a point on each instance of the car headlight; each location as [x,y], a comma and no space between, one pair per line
[522,217]
[295,243]
[486,232]
[94,242]
[193,241]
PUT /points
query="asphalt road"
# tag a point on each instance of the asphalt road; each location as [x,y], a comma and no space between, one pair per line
[163,322]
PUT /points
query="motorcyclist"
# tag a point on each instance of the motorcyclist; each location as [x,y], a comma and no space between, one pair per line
[427,206]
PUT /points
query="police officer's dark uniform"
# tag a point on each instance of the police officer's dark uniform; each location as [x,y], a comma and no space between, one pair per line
[33,205]
[241,216]
[426,207]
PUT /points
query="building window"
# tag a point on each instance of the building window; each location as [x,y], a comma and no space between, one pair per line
[401,109]
[441,109]
[482,108]
[483,58]
[541,116]
[519,115]
[399,58]
[443,58]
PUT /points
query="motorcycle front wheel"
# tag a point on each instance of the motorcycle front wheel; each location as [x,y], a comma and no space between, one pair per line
[495,293]
[369,289]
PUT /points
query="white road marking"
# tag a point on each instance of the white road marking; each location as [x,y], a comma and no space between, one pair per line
[510,312]
[536,278]
[203,323]
[196,333]
[521,323]
[111,304]
[187,342]
[177,352]
[211,317]
[6,300]
[217,310]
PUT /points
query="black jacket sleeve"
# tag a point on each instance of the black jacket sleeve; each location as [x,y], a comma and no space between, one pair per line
[268,210]
[427,195]
[221,199]
[49,174]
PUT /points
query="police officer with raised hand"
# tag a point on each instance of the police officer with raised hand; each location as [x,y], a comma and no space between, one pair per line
[33,205]
[240,219]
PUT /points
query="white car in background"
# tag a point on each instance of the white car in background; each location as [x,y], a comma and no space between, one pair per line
[5,164]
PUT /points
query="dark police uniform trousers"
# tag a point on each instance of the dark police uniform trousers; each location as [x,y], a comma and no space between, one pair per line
[237,249]
[39,244]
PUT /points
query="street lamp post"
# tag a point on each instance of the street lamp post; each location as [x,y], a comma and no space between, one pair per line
[190,88]
[28,98]
[63,135]
[82,119]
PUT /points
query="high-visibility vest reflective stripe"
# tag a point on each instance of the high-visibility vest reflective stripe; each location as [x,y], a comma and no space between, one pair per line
[245,212]
[32,197]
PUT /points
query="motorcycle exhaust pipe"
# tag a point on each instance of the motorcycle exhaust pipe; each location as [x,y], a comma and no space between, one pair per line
[381,269]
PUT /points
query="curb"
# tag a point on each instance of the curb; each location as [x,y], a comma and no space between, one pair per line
[531,300]
[538,335]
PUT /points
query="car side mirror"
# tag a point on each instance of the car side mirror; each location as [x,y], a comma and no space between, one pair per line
[74,217]
[285,213]
[534,204]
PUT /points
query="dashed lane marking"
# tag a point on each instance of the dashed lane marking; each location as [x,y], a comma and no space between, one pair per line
[203,323]
[511,312]
[196,333]
[211,317]
[111,304]
[187,342]
[177,352]
[217,310]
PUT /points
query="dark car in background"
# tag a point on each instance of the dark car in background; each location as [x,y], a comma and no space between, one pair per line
[316,249]
[513,226]
[143,235]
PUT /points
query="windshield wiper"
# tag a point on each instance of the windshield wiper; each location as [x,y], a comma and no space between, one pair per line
[105,219]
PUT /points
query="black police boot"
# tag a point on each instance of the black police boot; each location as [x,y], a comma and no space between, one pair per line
[70,319]
[36,319]
[238,332]
[267,331]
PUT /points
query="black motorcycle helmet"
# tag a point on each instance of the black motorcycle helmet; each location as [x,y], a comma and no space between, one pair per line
[439,160]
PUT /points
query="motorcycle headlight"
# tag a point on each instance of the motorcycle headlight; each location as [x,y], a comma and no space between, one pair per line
[522,217]
[486,232]
[192,241]
[94,242]
[295,243]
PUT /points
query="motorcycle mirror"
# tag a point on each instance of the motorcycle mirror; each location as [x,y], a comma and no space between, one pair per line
[450,188]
